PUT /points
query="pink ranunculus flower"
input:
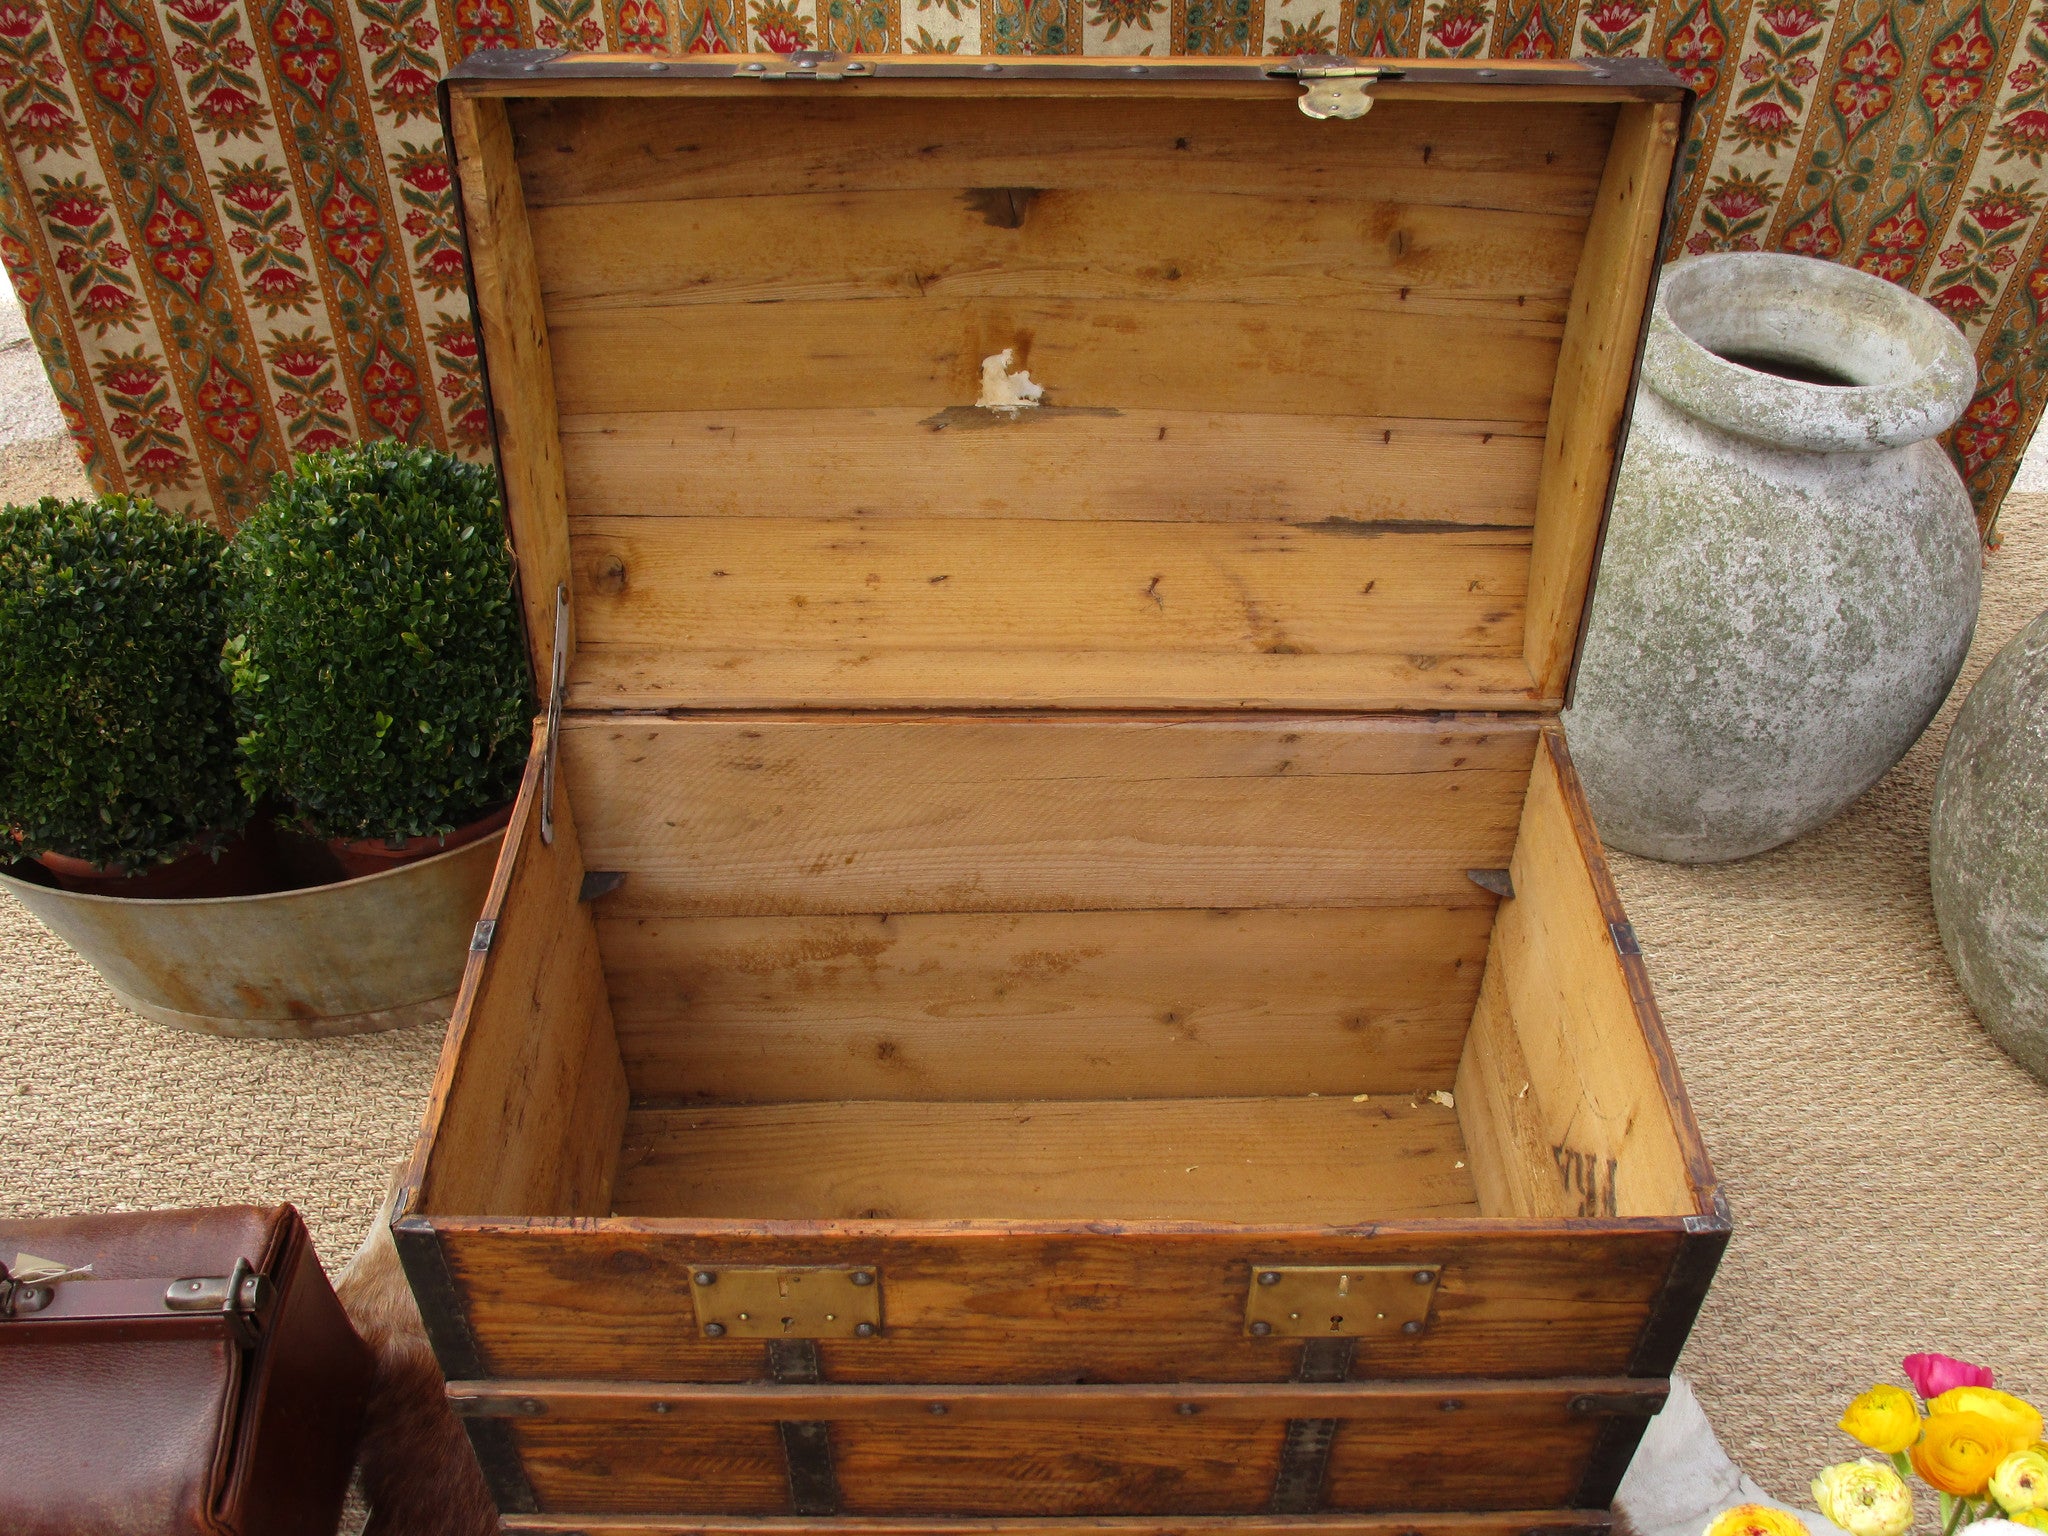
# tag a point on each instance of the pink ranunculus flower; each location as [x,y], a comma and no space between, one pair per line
[1933,1375]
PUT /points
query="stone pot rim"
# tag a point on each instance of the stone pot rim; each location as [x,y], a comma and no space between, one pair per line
[1921,367]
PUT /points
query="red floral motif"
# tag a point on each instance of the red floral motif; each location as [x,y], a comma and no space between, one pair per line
[300,358]
[160,468]
[1892,247]
[227,111]
[406,89]
[1456,25]
[19,21]
[485,24]
[456,339]
[318,440]
[121,71]
[2001,207]
[643,26]
[1766,125]
[281,288]
[442,270]
[1532,40]
[1863,89]
[1815,235]
[2026,76]
[199,12]
[177,241]
[1735,199]
[1982,433]
[428,174]
[79,208]
[1961,302]
[353,233]
[227,410]
[304,37]
[393,391]
[131,376]
[44,125]
[255,189]
[1614,16]
[1694,50]
[1958,66]
[21,271]
[2024,134]
[1793,20]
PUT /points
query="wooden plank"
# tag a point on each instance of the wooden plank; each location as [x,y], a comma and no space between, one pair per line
[1139,465]
[852,586]
[1519,155]
[985,1301]
[1597,1106]
[1296,1160]
[764,815]
[655,678]
[1595,376]
[528,1106]
[1127,354]
[684,1402]
[1158,242]
[1542,1522]
[1514,1171]
[514,332]
[1134,1004]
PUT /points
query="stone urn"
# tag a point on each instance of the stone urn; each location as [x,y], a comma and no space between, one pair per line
[1791,572]
[1988,854]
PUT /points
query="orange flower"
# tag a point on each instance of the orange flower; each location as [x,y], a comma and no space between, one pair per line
[1958,1452]
[2020,1419]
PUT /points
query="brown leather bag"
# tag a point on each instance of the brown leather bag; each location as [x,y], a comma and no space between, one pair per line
[201,1381]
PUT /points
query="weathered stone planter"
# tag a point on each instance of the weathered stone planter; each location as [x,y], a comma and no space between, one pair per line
[1791,572]
[1988,853]
[349,958]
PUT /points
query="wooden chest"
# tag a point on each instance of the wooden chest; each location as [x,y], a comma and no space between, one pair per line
[1050,970]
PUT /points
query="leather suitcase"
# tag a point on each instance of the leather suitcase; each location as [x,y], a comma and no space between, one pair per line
[201,1380]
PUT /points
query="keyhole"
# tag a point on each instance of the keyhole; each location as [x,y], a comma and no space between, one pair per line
[788,1323]
[1336,1325]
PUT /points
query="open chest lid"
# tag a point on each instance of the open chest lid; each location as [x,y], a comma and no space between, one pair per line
[979,383]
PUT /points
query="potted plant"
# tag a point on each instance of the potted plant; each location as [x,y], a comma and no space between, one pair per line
[378,668]
[117,743]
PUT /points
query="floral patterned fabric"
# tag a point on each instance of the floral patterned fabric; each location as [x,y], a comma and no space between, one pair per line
[232,224]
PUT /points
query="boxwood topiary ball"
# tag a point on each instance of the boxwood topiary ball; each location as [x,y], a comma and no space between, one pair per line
[380,676]
[1988,853]
[117,740]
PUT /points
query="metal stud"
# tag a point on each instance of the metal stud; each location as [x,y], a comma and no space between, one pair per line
[664,1407]
[1188,1410]
[657,69]
[714,1330]
[856,68]
[861,1277]
[1261,1329]
[1411,1327]
[705,1277]
[756,69]
[1269,1277]
[1424,1276]
[1136,69]
[864,1330]
[938,1410]
[1451,1404]
[532,1405]
[1487,74]
[531,69]
[991,69]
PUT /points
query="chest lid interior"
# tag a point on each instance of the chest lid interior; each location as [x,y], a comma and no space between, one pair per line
[1329,408]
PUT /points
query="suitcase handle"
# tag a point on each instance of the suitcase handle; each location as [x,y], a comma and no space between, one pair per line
[75,1308]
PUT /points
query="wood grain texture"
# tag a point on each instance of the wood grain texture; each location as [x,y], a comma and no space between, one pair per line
[1120,354]
[766,815]
[1204,466]
[1537,158]
[1540,1522]
[1304,1161]
[513,327]
[1141,1004]
[529,1103]
[1595,373]
[983,1301]
[1564,1020]
[1142,242]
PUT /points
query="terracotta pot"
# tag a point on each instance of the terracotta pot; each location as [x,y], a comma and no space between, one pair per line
[373,855]
[242,869]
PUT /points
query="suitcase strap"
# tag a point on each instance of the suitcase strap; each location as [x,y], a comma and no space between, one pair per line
[72,1307]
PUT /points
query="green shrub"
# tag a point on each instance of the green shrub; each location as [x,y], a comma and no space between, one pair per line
[375,648]
[117,740]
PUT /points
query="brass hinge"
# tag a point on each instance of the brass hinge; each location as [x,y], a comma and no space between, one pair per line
[1332,85]
[1295,1301]
[787,1303]
[806,64]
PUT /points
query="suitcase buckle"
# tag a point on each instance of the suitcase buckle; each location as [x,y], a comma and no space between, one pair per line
[241,1297]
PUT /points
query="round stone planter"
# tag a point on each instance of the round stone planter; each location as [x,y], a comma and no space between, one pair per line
[1988,853]
[1791,572]
[342,959]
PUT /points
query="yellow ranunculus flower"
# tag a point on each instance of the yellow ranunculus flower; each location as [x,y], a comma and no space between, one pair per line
[1865,1498]
[1884,1419]
[2021,1419]
[2021,1481]
[1756,1520]
[1958,1452]
[2037,1518]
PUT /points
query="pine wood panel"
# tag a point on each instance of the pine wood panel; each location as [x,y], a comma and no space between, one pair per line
[1589,414]
[1156,242]
[1102,465]
[513,327]
[1119,1004]
[854,586]
[1295,1160]
[768,815]
[1123,354]
[1542,1522]
[1600,1107]
[530,1098]
[1515,155]
[1046,1302]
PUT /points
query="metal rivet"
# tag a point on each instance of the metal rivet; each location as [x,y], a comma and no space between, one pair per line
[531,1405]
[1260,1330]
[1488,74]
[714,1330]
[756,69]
[1451,1404]
[1411,1326]
[1424,1276]
[991,69]
[1599,74]
[1583,1405]
[1136,69]
[862,1277]
[864,1330]
[530,68]
[856,69]
[663,1407]
[1188,1410]
[705,1277]
[1269,1277]
[938,1410]
[656,69]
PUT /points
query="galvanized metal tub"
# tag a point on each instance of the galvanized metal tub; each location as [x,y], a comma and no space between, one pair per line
[359,955]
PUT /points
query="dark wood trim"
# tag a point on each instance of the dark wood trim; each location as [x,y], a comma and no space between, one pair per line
[1685,1289]
[1544,1522]
[1608,1462]
[497,1455]
[439,1297]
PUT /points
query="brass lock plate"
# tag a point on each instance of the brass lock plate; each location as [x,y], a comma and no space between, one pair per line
[1295,1301]
[808,1303]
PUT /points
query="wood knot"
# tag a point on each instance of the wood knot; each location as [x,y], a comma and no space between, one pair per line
[608,575]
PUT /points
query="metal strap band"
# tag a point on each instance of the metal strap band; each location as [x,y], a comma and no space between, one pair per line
[807,1445]
[1305,1451]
